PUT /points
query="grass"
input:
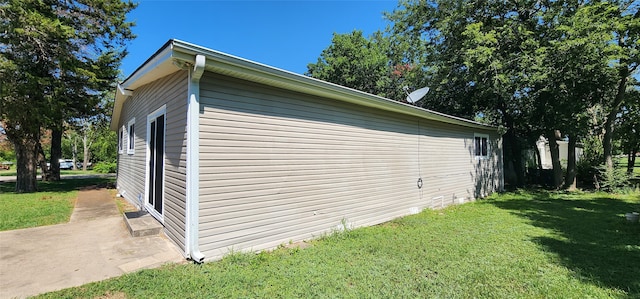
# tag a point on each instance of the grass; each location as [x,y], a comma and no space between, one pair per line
[122,204]
[621,161]
[35,209]
[12,172]
[53,204]
[515,245]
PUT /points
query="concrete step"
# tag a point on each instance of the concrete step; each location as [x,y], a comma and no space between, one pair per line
[142,224]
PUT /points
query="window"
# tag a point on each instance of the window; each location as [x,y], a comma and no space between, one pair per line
[121,140]
[481,146]
[131,134]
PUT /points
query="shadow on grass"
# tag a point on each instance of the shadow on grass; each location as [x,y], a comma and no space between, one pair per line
[66,184]
[590,236]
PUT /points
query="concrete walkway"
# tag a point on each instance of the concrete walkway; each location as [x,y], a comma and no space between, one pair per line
[93,246]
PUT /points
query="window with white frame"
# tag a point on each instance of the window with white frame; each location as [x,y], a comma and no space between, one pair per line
[481,146]
[121,140]
[131,136]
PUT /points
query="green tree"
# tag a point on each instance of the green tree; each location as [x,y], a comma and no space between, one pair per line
[70,143]
[574,71]
[90,139]
[6,148]
[353,61]
[482,60]
[374,65]
[628,127]
[621,20]
[532,67]
[55,58]
[105,146]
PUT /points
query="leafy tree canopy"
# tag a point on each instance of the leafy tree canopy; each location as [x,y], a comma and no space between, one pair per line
[531,67]
[55,58]
[374,64]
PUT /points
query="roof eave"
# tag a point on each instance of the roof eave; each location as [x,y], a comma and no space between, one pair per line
[157,66]
[163,62]
[222,63]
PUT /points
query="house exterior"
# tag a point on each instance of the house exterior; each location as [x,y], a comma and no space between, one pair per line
[542,145]
[233,155]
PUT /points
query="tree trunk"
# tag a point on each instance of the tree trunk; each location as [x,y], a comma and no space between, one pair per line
[555,159]
[519,161]
[85,149]
[41,159]
[56,153]
[74,150]
[607,142]
[538,157]
[26,156]
[631,160]
[570,178]
[513,159]
[513,149]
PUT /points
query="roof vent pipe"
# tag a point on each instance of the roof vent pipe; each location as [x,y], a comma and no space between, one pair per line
[193,159]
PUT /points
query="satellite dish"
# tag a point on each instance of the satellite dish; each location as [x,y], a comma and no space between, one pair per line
[416,95]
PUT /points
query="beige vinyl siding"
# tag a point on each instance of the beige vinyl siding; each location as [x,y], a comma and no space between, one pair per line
[449,168]
[277,166]
[172,92]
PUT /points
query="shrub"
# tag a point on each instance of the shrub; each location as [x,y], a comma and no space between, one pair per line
[586,171]
[105,167]
[612,180]
[592,156]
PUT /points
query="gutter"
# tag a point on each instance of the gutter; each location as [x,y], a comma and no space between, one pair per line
[237,67]
[193,160]
[176,51]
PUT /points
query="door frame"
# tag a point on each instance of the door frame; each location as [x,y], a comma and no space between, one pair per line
[150,118]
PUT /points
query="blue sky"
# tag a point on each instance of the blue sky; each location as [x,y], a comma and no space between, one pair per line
[284,34]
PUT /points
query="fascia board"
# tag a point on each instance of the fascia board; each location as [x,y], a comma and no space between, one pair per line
[225,64]
[162,64]
[117,109]
[157,66]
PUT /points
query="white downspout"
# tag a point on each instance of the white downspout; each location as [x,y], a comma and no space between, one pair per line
[193,160]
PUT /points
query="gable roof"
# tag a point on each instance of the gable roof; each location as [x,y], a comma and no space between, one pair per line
[175,55]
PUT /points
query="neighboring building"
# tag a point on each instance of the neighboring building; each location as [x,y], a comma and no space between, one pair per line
[234,155]
[563,147]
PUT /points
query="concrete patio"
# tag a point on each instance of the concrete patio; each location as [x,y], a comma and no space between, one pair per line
[93,246]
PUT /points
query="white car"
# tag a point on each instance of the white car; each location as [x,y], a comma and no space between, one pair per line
[66,164]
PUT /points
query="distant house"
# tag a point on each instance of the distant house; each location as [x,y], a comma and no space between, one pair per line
[544,151]
[229,154]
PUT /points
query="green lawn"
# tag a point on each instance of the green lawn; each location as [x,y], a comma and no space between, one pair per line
[516,245]
[12,172]
[621,161]
[53,204]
